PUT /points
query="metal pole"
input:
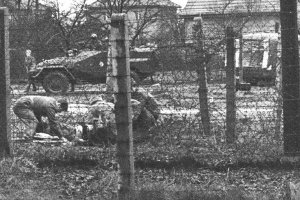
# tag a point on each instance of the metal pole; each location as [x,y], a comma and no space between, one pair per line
[230,87]
[123,110]
[5,131]
[290,75]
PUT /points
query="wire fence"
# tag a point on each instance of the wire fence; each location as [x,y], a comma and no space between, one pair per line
[175,83]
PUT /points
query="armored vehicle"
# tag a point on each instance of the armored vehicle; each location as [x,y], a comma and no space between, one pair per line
[56,75]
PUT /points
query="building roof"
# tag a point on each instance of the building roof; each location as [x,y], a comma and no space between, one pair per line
[167,3]
[207,7]
[143,3]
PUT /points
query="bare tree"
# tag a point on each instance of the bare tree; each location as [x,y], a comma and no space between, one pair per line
[68,22]
[143,14]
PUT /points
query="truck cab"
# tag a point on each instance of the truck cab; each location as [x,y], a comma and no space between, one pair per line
[257,58]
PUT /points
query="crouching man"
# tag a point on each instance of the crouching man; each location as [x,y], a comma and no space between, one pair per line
[30,110]
[145,112]
[101,116]
[146,119]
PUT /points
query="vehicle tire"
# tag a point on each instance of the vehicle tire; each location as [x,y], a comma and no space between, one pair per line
[135,79]
[56,83]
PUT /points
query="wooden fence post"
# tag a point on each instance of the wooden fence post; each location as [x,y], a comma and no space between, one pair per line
[202,79]
[230,87]
[110,80]
[123,110]
[5,131]
[290,76]
[241,71]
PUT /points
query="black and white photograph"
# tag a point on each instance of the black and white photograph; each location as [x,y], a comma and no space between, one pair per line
[149,100]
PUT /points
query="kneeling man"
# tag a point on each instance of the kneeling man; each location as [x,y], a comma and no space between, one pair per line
[30,110]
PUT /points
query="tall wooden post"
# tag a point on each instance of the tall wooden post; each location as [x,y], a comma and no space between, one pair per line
[241,71]
[110,80]
[37,5]
[290,76]
[123,110]
[202,79]
[230,87]
[5,131]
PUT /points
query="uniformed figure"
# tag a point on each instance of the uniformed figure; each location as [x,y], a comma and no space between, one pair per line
[102,112]
[145,110]
[149,111]
[147,100]
[93,43]
[30,110]
[30,67]
[101,116]
[72,52]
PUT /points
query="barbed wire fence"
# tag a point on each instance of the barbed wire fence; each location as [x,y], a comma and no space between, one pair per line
[177,87]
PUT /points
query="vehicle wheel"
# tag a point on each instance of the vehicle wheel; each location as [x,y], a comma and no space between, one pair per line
[56,83]
[135,79]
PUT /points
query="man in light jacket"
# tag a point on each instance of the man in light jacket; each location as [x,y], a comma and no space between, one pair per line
[30,110]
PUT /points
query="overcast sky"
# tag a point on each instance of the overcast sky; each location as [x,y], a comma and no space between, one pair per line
[67,3]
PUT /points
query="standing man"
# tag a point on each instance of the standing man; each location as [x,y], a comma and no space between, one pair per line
[93,43]
[30,67]
[30,110]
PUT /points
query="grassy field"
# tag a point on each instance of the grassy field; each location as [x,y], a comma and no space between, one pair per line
[175,161]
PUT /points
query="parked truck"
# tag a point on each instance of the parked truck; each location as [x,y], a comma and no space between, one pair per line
[257,58]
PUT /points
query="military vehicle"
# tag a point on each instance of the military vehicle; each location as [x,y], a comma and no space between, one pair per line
[259,58]
[256,60]
[56,75]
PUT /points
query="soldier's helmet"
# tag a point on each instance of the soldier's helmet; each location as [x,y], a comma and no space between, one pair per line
[94,35]
[63,104]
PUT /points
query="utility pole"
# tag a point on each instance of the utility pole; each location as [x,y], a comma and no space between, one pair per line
[290,76]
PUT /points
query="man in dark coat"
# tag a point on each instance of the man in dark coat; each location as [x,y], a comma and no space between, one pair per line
[30,110]
[30,67]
